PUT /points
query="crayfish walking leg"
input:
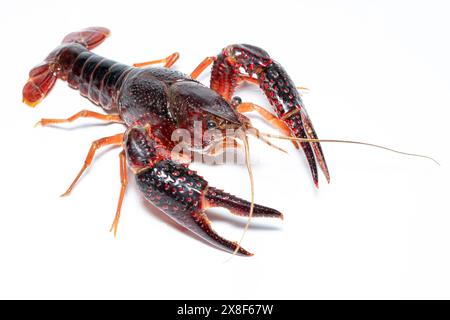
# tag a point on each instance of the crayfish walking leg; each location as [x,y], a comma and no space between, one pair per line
[112,140]
[82,114]
[168,61]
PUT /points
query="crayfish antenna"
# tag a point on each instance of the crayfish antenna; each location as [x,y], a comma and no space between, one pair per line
[243,136]
[269,135]
[255,132]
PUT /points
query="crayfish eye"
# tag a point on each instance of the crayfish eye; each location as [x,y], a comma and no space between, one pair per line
[211,124]
[236,101]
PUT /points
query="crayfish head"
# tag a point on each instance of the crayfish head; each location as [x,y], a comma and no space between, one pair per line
[203,114]
[251,58]
[216,129]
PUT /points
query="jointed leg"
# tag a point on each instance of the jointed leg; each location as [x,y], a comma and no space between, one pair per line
[268,116]
[124,183]
[82,114]
[112,140]
[168,61]
[202,66]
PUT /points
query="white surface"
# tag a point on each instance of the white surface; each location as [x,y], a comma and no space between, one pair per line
[378,72]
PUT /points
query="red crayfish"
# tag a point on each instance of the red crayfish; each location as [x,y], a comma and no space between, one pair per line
[155,101]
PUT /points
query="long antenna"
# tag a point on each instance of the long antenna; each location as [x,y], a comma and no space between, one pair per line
[252,190]
[347,141]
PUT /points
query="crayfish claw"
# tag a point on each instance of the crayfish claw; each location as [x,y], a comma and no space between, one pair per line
[317,148]
[298,130]
[218,198]
[211,236]
[244,62]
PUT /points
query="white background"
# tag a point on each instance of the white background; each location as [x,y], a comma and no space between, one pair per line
[378,71]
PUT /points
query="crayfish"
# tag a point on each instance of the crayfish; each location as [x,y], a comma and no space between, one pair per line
[153,102]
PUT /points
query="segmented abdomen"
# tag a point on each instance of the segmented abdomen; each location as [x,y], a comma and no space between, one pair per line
[97,78]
